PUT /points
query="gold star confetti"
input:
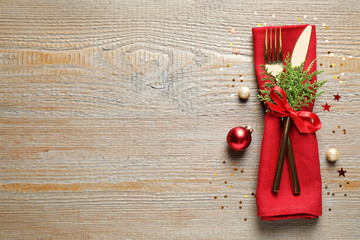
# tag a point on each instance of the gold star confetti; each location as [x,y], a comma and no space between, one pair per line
[232,174]
[299,19]
[258,25]
[327,27]
[232,30]
[245,196]
[214,174]
[231,44]
[230,186]
[236,51]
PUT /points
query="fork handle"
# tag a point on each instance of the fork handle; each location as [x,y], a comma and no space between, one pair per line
[281,157]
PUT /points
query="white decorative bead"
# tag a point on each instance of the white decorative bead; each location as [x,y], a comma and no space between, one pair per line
[244,92]
[332,154]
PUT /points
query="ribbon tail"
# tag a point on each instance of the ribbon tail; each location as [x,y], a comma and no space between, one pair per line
[301,120]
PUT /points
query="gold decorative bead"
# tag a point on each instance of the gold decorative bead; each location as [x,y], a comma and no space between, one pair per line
[332,154]
[244,92]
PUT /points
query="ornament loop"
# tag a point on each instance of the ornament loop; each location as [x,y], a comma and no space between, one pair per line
[248,127]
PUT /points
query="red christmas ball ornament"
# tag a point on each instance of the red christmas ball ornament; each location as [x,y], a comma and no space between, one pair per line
[239,138]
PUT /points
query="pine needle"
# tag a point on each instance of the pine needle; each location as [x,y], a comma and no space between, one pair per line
[296,82]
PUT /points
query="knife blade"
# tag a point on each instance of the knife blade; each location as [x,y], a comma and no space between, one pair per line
[301,47]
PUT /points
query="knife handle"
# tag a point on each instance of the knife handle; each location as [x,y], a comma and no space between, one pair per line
[293,173]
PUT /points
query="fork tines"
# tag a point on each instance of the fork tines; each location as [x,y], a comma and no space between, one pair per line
[273,46]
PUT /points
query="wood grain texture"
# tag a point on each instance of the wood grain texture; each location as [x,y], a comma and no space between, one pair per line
[113,118]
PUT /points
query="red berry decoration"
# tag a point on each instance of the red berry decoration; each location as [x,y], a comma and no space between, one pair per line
[239,138]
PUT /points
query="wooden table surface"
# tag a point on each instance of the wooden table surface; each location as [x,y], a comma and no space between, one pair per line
[114,114]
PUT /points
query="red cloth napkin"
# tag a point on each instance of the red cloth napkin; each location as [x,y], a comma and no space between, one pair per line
[284,205]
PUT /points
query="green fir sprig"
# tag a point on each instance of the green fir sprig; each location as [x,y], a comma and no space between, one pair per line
[295,81]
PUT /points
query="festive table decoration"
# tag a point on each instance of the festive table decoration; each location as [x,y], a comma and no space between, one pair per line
[284,102]
[342,172]
[244,93]
[337,97]
[332,154]
[239,138]
[326,107]
[236,51]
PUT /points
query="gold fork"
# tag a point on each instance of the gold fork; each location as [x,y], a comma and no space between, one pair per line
[273,51]
[274,63]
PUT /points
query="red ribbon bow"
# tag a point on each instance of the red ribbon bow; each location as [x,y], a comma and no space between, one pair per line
[300,118]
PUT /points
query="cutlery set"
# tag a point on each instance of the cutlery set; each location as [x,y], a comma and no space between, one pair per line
[273,56]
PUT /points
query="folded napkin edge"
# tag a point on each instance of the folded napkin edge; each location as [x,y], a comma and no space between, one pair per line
[283,27]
